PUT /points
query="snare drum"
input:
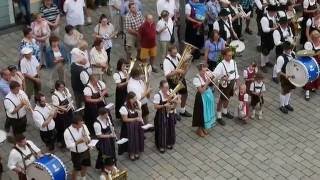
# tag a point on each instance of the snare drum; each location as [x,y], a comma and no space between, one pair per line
[47,167]
[239,45]
[304,69]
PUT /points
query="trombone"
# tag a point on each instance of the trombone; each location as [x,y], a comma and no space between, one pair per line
[217,87]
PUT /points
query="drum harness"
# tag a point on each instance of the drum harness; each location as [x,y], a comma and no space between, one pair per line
[26,157]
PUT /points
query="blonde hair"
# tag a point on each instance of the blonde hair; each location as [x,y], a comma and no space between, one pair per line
[315,34]
[82,44]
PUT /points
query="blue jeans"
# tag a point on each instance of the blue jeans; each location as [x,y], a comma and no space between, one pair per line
[24,6]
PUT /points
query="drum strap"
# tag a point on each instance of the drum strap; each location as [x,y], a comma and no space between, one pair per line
[73,139]
[44,119]
[25,157]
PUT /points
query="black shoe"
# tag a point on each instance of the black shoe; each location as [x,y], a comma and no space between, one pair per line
[269,64]
[264,69]
[155,70]
[221,122]
[275,80]
[228,115]
[186,114]
[289,107]
[178,117]
[259,48]
[161,150]
[283,109]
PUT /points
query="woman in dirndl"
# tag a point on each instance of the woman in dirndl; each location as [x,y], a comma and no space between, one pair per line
[94,95]
[204,105]
[131,127]
[104,130]
[121,79]
[165,119]
[309,9]
[61,97]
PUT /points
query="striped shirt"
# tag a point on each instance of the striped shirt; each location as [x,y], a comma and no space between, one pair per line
[50,13]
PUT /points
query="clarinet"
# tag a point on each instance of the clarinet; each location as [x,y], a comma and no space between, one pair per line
[113,132]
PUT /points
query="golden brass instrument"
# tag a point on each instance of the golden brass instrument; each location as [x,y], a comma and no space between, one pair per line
[120,175]
[28,106]
[132,62]
[184,61]
[178,87]
[296,24]
[145,71]
[209,77]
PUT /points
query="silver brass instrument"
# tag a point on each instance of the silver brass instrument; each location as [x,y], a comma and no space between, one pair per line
[184,61]
[208,76]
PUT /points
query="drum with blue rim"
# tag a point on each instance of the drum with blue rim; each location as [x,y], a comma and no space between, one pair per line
[302,70]
[47,167]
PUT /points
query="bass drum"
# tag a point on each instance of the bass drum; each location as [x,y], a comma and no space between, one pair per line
[47,167]
[304,69]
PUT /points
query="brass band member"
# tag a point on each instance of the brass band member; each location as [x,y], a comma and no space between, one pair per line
[309,10]
[224,26]
[109,168]
[204,116]
[121,79]
[170,69]
[43,117]
[227,70]
[77,138]
[281,34]
[165,118]
[313,44]
[313,23]
[22,154]
[286,85]
[131,127]
[104,130]
[61,99]
[16,104]
[94,95]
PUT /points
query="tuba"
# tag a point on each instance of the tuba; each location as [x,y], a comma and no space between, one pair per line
[132,62]
[178,87]
[121,175]
[184,61]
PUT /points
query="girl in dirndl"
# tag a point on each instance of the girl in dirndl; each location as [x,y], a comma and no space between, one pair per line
[121,79]
[243,108]
[165,118]
[248,75]
[104,130]
[204,105]
[131,127]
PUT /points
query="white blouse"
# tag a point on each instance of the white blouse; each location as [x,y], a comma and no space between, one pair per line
[90,89]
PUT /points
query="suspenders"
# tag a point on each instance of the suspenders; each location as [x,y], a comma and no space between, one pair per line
[44,119]
[14,107]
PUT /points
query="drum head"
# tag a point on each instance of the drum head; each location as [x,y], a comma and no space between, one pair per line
[299,71]
[37,171]
[3,136]
[239,45]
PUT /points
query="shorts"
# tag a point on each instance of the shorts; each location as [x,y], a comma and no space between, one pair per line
[286,85]
[146,53]
[80,159]
[228,91]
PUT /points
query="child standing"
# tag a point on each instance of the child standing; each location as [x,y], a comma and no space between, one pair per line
[248,75]
[243,109]
[257,89]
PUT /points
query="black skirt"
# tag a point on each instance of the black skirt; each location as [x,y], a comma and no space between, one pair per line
[135,135]
[164,125]
[198,118]
[62,121]
[91,114]
[105,146]
[121,95]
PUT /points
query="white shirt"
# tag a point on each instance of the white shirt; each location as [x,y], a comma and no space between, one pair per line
[77,134]
[156,97]
[165,35]
[57,95]
[231,67]
[84,75]
[74,12]
[258,4]
[286,33]
[104,124]
[280,62]
[245,97]
[257,85]
[77,54]
[168,5]
[10,106]
[123,110]
[98,57]
[118,76]
[40,115]
[198,81]
[90,89]
[265,23]
[15,159]
[307,3]
[29,66]
[167,65]
[245,72]
[309,46]
[226,26]
[187,10]
[138,87]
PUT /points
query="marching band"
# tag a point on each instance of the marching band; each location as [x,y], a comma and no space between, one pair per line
[88,122]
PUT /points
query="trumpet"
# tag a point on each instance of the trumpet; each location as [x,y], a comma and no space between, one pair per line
[28,106]
[209,77]
[55,108]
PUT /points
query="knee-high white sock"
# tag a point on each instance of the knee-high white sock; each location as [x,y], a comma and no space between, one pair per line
[286,102]
[224,110]
[274,73]
[219,115]
[282,99]
[258,40]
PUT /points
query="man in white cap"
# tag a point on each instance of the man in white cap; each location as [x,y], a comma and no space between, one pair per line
[30,69]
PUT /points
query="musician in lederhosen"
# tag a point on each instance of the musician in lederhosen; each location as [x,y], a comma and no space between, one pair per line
[121,79]
[43,117]
[257,89]
[16,104]
[170,70]
[313,44]
[237,14]
[94,97]
[309,10]
[286,85]
[104,130]
[22,154]
[204,109]
[165,118]
[281,34]
[224,26]
[77,138]
[268,25]
[227,71]
[131,127]
[260,8]
[79,63]
[313,23]
[62,99]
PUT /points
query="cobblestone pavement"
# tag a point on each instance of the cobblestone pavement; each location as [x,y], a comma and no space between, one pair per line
[277,147]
